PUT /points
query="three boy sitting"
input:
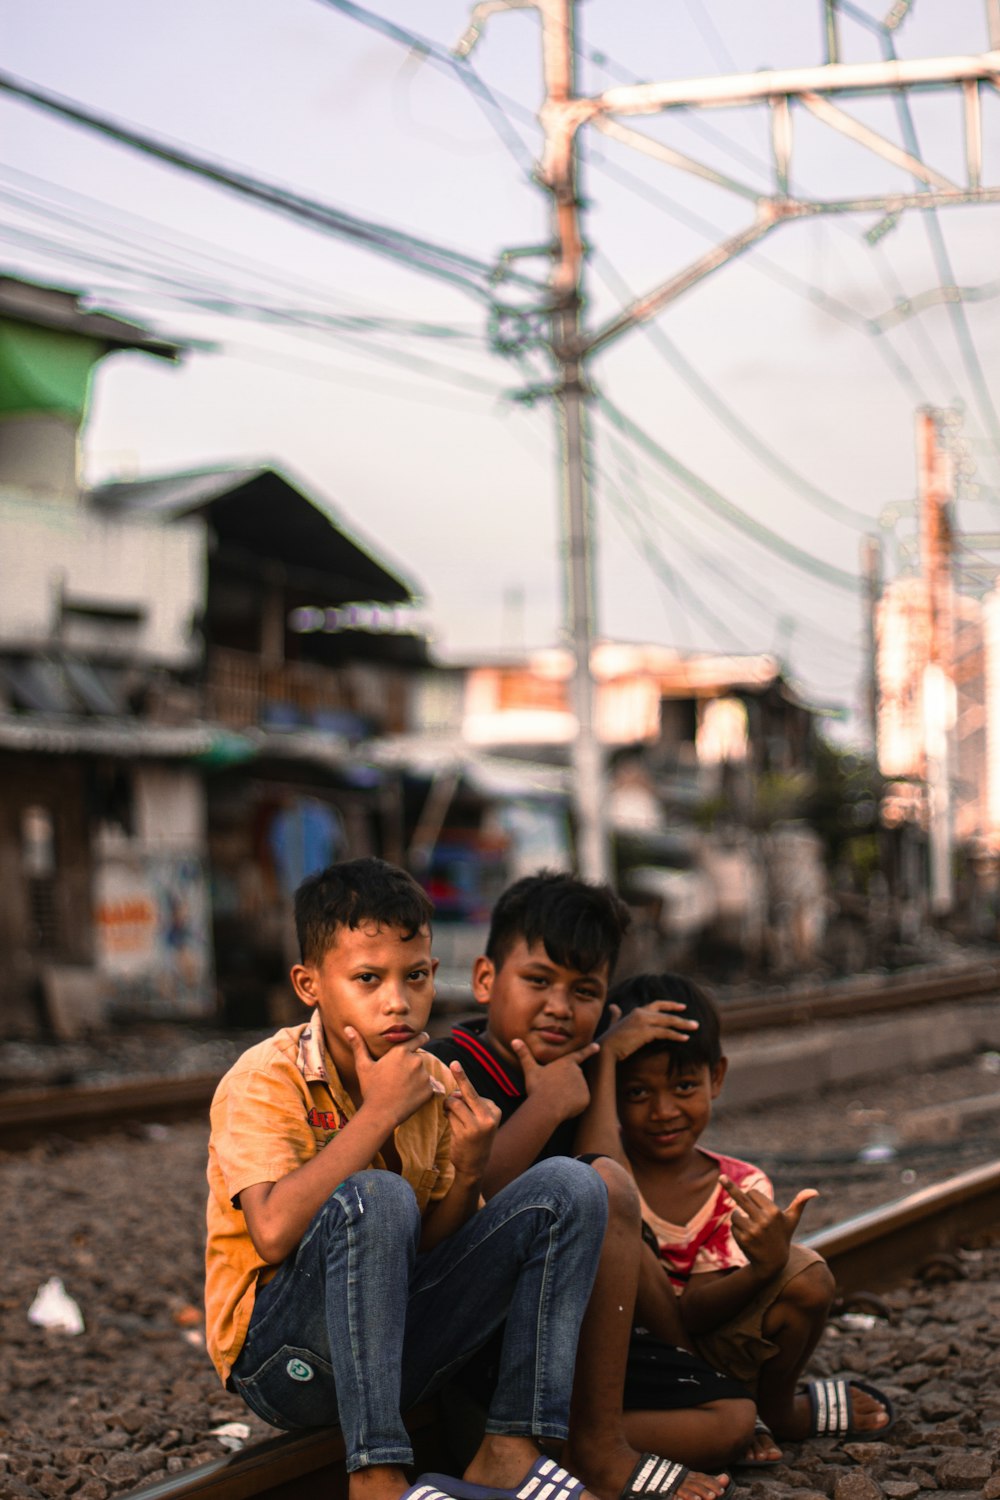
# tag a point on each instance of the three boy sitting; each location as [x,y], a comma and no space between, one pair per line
[352,1266]
[376,1217]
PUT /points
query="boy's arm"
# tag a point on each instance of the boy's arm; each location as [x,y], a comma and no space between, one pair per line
[554,1092]
[393,1088]
[764,1233]
[473,1122]
[598,1128]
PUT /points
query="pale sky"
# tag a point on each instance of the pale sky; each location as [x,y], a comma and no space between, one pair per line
[413,439]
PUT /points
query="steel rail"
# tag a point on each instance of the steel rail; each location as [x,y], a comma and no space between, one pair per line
[26,1116]
[868,1253]
[834,1002]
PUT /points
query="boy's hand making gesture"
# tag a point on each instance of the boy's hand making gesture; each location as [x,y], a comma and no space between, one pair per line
[563,1079]
[474,1121]
[762,1230]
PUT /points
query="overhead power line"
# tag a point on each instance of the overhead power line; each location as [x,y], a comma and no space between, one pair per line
[466,271]
[740,430]
[721,506]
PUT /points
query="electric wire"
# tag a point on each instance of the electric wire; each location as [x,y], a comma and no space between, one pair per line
[462,378]
[724,413]
[458,67]
[454,267]
[174,246]
[935,234]
[714,501]
[713,563]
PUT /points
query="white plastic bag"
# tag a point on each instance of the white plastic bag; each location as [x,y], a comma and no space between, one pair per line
[53,1307]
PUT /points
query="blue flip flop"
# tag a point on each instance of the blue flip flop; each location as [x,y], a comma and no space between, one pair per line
[653,1478]
[422,1491]
[545,1480]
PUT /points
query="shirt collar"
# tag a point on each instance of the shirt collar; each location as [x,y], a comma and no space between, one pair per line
[311,1056]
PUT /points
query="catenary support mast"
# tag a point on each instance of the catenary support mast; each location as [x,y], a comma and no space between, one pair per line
[559,174]
[783,92]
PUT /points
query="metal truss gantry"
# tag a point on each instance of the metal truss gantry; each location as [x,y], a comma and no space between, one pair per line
[781,92]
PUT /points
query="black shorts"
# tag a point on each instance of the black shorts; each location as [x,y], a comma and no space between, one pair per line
[660,1377]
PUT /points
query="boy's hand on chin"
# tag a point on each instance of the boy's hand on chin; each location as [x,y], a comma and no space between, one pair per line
[397,1083]
[762,1230]
[474,1121]
[658,1022]
[563,1080]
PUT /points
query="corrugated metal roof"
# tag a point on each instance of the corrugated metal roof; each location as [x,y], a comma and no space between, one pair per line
[52,307]
[173,494]
[260,513]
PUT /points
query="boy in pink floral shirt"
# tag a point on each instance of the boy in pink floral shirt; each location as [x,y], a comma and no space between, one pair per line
[752,1303]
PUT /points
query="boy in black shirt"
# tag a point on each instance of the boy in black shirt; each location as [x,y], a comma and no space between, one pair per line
[544,978]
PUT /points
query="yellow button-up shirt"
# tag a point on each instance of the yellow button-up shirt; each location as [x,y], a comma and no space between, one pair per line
[279,1104]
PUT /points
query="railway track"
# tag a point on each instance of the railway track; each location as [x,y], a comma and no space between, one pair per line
[867,1254]
[77,1112]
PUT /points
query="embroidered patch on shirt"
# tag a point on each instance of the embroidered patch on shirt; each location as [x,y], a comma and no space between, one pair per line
[326,1119]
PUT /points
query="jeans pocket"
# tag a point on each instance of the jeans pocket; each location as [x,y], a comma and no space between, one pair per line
[292,1388]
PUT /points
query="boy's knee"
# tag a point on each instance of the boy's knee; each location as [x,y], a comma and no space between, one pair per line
[376,1198]
[572,1181]
[623,1195]
[812,1290]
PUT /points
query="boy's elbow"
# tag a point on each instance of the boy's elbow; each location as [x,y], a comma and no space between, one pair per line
[270,1238]
[271,1249]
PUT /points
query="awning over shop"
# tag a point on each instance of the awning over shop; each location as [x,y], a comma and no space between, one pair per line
[489,775]
[49,735]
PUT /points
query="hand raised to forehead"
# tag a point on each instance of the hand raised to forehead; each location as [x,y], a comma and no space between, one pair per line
[661,1021]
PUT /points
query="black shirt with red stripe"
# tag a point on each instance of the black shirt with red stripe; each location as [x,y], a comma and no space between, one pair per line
[495,1078]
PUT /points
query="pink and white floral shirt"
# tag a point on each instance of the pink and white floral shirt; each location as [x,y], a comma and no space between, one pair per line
[705,1242]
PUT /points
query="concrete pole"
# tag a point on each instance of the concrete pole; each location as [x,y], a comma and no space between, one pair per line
[936,551]
[871,573]
[558,175]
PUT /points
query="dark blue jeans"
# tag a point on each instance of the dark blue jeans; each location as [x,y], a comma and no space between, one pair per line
[357,1326]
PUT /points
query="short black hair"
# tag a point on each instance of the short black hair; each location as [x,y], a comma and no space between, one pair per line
[352,893]
[703,1047]
[580,925]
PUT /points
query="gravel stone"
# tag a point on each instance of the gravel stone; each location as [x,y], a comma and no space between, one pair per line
[964,1471]
[855,1484]
[131,1400]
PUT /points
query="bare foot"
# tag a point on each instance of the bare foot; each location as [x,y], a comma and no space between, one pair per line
[380,1482]
[762,1449]
[607,1475]
[502,1461]
[868,1414]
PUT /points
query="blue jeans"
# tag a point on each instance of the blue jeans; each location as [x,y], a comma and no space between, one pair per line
[357,1326]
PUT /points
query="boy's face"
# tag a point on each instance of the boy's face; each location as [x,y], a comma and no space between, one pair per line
[374,979]
[663,1109]
[554,1010]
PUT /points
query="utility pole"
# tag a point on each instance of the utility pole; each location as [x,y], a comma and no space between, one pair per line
[937,552]
[784,92]
[559,174]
